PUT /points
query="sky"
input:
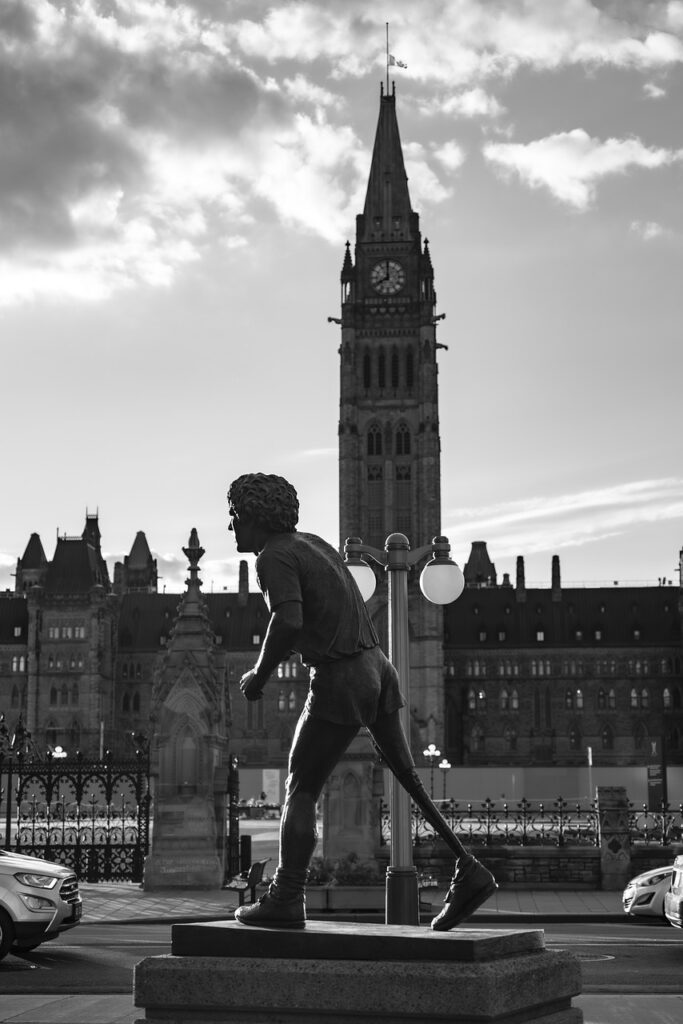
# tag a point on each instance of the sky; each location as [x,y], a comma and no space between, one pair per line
[177,184]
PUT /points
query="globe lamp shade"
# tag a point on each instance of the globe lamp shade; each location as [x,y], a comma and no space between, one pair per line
[364,577]
[441,581]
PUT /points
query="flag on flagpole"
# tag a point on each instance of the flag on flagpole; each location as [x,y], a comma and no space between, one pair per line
[396,63]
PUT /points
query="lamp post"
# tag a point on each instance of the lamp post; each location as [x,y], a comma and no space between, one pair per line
[441,582]
[431,753]
[444,766]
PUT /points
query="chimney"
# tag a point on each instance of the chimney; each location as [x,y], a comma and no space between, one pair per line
[243,590]
[520,586]
[556,585]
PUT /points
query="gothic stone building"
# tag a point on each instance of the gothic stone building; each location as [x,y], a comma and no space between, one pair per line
[507,675]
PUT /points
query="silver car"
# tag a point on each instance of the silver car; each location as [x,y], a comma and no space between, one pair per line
[38,900]
[644,894]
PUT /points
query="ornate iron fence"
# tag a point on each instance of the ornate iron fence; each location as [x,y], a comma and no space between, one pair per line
[486,823]
[92,816]
[555,823]
[656,828]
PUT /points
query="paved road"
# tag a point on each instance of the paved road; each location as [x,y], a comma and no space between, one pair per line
[632,972]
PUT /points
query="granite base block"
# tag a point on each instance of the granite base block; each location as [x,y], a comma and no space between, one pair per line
[511,987]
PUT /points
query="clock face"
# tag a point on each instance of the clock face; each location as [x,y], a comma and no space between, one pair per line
[387,277]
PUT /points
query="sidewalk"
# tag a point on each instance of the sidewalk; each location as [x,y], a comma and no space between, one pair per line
[126,902]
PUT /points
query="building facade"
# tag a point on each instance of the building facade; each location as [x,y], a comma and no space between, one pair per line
[506,677]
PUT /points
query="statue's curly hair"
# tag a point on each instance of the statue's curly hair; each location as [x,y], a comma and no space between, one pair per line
[270,500]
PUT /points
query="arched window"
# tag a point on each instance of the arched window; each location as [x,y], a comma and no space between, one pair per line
[574,738]
[607,737]
[53,696]
[351,802]
[514,701]
[281,701]
[666,699]
[410,368]
[640,736]
[579,700]
[477,740]
[504,700]
[64,694]
[374,440]
[471,700]
[136,701]
[382,369]
[125,703]
[75,735]
[612,700]
[602,700]
[634,699]
[645,699]
[74,693]
[402,440]
[481,702]
[367,377]
[292,700]
[510,737]
[569,700]
[394,368]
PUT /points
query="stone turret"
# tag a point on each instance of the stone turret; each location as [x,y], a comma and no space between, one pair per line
[189,754]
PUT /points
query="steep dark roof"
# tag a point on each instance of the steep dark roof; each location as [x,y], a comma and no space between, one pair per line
[637,616]
[147,617]
[387,196]
[140,556]
[74,569]
[34,556]
[13,613]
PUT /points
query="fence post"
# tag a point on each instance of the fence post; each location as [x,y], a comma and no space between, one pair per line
[615,838]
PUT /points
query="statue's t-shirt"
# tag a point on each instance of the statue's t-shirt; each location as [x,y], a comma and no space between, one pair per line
[305,568]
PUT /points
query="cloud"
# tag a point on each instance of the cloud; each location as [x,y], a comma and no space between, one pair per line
[569,164]
[541,524]
[138,135]
[648,229]
[471,103]
[652,91]
[450,155]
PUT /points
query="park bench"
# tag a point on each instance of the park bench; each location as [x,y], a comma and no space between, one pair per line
[248,879]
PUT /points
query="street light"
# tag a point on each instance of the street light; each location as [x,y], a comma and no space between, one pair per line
[431,753]
[441,582]
[444,766]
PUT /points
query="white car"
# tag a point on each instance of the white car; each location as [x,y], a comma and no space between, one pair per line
[644,894]
[38,900]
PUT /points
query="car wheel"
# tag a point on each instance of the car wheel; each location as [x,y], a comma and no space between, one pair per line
[6,934]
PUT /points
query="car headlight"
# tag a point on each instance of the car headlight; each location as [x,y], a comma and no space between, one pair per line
[656,879]
[36,880]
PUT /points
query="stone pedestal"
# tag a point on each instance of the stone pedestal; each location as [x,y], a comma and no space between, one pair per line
[184,849]
[615,837]
[350,810]
[227,973]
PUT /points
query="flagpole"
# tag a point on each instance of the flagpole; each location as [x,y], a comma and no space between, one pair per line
[387,24]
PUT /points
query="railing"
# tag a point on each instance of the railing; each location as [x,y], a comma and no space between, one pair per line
[92,816]
[554,823]
[487,823]
[656,828]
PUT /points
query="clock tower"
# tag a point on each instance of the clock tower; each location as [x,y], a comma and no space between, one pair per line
[389,446]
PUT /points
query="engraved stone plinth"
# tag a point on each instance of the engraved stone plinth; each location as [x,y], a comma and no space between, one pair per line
[227,973]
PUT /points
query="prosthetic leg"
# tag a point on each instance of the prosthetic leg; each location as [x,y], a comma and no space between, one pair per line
[472,883]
